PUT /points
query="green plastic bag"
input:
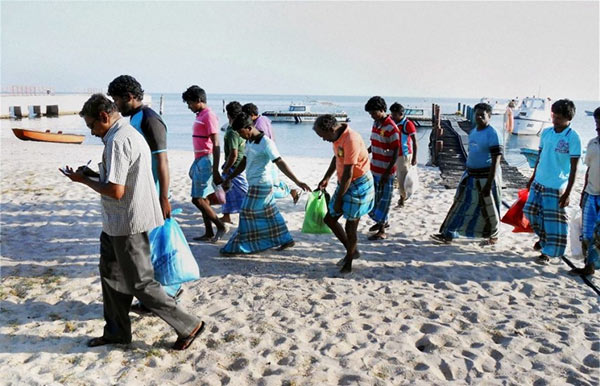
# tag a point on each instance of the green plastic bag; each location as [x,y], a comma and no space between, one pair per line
[315,211]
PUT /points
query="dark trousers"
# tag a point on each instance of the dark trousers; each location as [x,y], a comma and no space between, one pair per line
[125,272]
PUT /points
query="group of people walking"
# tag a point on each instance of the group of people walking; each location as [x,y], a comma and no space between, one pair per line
[133,181]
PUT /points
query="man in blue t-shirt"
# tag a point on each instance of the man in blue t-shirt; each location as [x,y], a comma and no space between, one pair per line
[127,93]
[552,180]
[476,206]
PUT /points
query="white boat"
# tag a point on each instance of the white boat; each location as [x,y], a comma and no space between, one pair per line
[532,116]
[421,116]
[497,107]
[301,113]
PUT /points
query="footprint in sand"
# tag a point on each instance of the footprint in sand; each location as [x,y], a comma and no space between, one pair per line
[238,364]
[425,345]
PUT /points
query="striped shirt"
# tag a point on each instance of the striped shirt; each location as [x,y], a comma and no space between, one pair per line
[126,161]
[384,139]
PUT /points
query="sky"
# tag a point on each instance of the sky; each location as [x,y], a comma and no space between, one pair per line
[414,49]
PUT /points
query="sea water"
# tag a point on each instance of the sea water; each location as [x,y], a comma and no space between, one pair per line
[299,140]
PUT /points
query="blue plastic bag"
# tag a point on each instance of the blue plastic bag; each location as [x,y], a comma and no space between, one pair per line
[171,255]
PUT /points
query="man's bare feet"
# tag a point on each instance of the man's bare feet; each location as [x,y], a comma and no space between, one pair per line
[341,261]
[226,218]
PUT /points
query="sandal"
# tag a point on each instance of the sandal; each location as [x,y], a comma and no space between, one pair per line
[287,245]
[184,342]
[488,242]
[442,238]
[378,236]
[542,259]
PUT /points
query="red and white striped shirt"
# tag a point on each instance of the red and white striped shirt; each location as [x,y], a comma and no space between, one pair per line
[385,137]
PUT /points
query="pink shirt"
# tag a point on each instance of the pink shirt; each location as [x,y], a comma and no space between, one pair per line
[206,123]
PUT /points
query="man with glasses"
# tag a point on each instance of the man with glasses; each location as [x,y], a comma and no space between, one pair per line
[131,208]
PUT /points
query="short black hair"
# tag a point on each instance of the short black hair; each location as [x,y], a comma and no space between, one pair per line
[241,121]
[483,106]
[194,94]
[250,109]
[233,108]
[564,107]
[97,104]
[397,108]
[124,85]
[376,103]
[325,122]
[597,113]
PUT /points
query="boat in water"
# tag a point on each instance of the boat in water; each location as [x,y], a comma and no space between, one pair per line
[532,116]
[497,107]
[420,116]
[301,113]
[47,136]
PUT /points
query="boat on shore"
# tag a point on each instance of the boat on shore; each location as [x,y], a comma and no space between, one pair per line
[47,136]
[532,116]
[301,113]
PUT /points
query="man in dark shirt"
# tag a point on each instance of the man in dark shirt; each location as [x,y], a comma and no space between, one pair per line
[127,93]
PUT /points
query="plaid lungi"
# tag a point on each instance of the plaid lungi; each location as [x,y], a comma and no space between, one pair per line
[261,225]
[201,175]
[593,252]
[548,220]
[234,197]
[358,199]
[590,215]
[471,213]
[383,199]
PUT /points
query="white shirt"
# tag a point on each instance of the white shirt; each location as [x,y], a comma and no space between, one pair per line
[592,160]
[126,161]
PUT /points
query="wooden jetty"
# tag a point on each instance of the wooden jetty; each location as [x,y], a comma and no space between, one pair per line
[448,147]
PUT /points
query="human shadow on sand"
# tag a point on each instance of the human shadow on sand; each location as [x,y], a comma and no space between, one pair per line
[64,344]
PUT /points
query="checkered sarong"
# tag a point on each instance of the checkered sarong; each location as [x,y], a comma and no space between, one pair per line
[590,215]
[383,199]
[261,225]
[593,252]
[234,197]
[471,213]
[358,199]
[548,220]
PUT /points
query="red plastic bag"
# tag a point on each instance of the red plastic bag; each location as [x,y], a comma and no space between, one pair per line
[515,217]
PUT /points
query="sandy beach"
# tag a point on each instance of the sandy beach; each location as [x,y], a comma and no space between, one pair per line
[412,311]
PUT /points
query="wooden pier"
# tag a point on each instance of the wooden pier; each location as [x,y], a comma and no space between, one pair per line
[448,146]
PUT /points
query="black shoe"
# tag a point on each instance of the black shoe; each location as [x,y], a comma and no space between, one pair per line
[101,341]
[537,246]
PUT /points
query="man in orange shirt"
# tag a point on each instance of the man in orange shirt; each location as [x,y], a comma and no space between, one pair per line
[353,197]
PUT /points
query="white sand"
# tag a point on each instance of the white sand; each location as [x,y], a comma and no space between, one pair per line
[411,312]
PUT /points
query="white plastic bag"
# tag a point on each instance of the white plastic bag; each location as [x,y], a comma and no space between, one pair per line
[575,227]
[411,181]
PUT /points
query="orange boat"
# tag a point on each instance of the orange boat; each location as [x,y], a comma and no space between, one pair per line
[47,136]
